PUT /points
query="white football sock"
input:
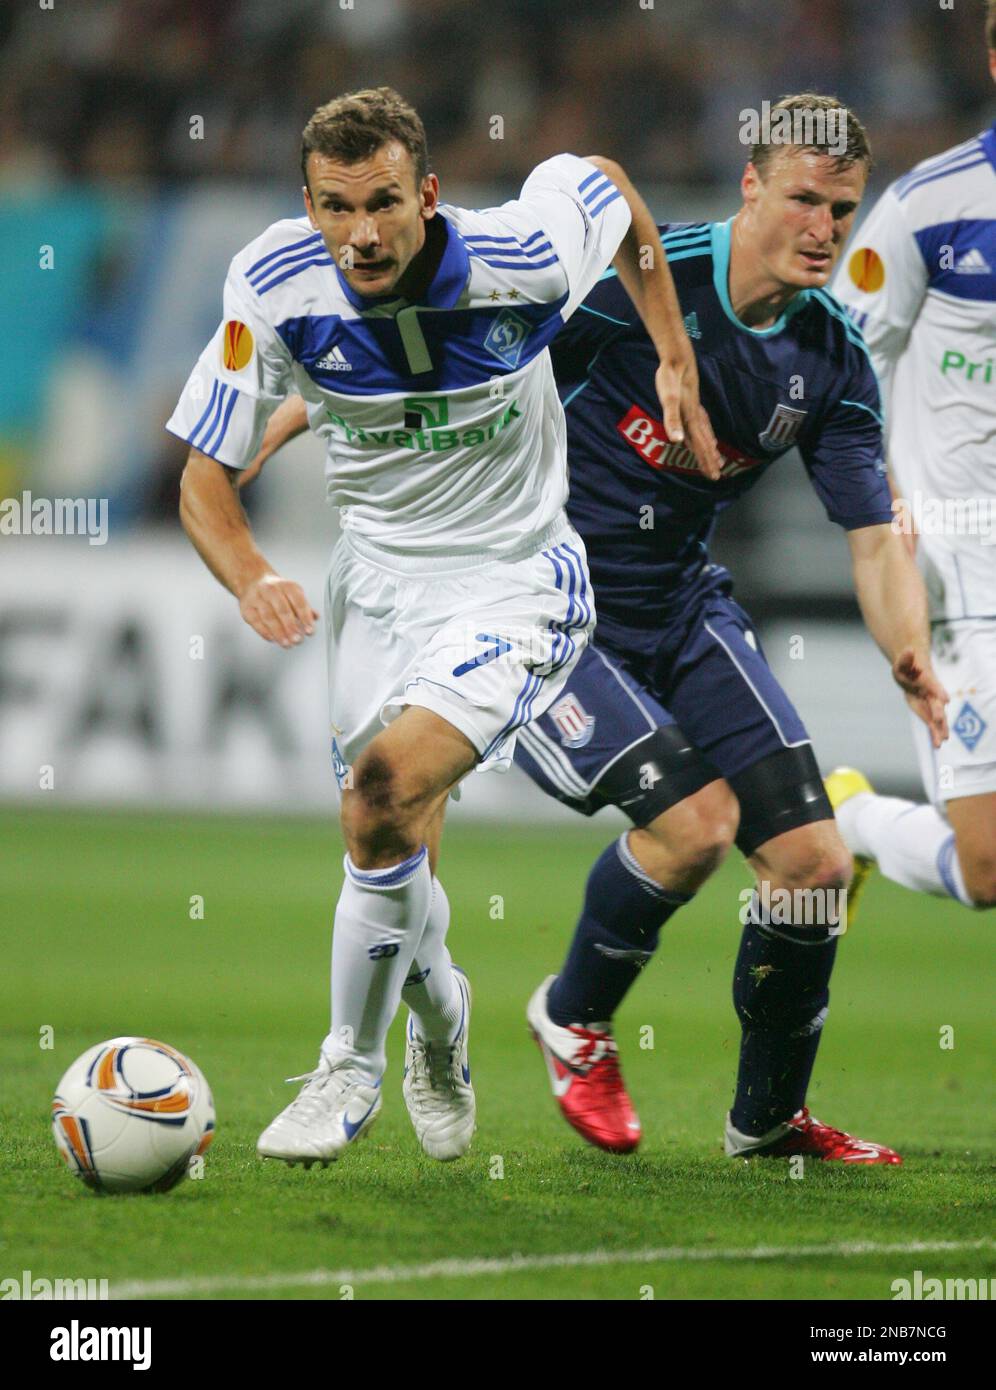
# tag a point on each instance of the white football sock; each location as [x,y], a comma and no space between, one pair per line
[379,920]
[910,841]
[431,991]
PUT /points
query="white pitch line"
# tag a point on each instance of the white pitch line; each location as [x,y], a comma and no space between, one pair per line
[513,1264]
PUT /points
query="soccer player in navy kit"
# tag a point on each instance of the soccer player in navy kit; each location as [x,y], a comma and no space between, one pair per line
[673,714]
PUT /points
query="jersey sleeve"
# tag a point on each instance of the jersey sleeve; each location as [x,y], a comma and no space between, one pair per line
[846,461]
[240,378]
[883,283]
[583,215]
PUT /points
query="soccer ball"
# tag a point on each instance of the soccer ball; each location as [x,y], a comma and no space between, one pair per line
[130,1114]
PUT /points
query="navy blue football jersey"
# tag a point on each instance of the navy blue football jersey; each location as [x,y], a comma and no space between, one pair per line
[806,382]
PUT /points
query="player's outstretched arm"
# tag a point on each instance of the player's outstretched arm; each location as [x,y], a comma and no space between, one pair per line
[646,276]
[214,519]
[288,421]
[894,606]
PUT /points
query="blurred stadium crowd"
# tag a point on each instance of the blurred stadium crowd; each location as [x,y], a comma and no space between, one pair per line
[104,89]
[116,229]
[99,95]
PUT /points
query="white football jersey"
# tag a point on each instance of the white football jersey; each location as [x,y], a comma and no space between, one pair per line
[442,422]
[921,286]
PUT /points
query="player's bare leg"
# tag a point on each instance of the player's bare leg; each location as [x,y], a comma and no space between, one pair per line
[781,993]
[686,844]
[400,783]
[973,819]
[399,787]
[634,887]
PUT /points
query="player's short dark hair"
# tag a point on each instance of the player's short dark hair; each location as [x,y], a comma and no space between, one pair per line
[353,126]
[991,23]
[857,151]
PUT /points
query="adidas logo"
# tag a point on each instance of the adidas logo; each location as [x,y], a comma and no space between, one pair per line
[692,325]
[334,362]
[973,263]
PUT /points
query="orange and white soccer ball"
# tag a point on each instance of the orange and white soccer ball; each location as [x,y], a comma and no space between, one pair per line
[129,1115]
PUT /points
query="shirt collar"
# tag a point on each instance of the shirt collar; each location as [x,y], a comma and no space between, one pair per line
[447,284]
[722,233]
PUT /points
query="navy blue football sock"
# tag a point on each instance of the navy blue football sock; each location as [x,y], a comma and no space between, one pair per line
[781,989]
[624,909]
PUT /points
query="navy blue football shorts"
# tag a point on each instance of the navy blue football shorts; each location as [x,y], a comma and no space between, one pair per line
[649,719]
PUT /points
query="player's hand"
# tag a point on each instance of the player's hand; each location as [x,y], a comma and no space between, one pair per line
[924,693]
[278,610]
[677,383]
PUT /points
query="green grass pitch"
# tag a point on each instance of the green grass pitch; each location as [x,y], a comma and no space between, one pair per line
[99,942]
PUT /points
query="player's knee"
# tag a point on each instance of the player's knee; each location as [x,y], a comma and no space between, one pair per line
[836,869]
[712,817]
[825,867]
[690,840]
[380,811]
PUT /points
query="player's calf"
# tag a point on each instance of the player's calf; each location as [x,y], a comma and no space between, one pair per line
[616,935]
[979,873]
[973,820]
[781,983]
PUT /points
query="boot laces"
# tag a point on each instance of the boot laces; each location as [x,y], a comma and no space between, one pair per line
[432,1069]
[607,1065]
[320,1090]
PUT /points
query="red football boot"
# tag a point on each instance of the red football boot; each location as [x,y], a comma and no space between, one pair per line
[806,1136]
[584,1072]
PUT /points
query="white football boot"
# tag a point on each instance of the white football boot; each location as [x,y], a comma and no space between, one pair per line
[336,1105]
[437,1087]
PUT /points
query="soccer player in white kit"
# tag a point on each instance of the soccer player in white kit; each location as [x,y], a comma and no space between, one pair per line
[922,288]
[458,598]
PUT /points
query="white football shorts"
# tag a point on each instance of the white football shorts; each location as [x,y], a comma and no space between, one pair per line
[486,643]
[964,655]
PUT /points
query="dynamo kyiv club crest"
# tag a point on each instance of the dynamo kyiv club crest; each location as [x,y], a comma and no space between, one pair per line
[506,337]
[969,726]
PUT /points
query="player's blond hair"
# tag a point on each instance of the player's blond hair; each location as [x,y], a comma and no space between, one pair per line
[857,150]
[353,126]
